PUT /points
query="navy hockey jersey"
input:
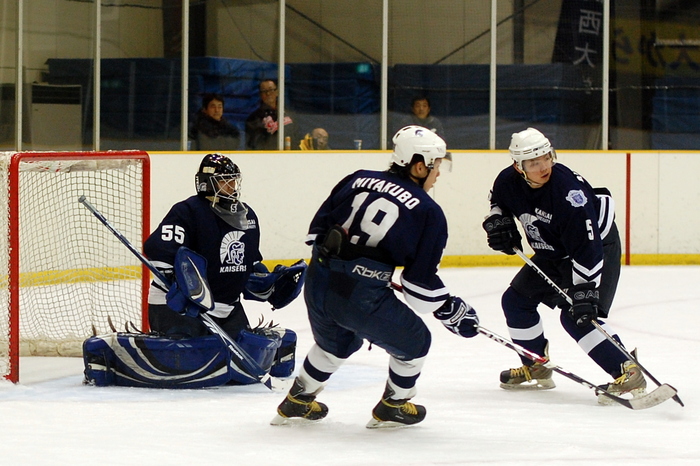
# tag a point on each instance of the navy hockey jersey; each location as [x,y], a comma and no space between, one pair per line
[230,252]
[563,220]
[381,210]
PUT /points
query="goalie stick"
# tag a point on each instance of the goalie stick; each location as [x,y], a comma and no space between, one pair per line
[658,396]
[617,344]
[242,359]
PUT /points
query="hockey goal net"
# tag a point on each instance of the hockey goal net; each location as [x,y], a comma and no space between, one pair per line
[62,273]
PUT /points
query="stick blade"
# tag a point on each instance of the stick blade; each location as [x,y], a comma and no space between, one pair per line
[656,397]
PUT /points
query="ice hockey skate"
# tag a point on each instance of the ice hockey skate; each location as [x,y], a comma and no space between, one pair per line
[534,377]
[299,407]
[631,381]
[391,413]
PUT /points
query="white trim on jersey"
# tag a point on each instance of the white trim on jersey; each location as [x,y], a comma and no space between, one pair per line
[423,300]
[581,274]
[606,216]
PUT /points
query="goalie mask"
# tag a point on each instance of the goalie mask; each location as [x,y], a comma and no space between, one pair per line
[219,179]
[417,140]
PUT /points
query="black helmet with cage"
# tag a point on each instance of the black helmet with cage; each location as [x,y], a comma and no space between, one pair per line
[218,177]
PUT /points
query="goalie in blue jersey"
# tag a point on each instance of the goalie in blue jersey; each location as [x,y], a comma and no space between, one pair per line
[571,227]
[371,223]
[225,233]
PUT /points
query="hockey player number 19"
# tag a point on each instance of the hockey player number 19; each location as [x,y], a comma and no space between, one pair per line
[381,208]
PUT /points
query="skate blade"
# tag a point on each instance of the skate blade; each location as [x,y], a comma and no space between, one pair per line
[292,421]
[545,384]
[375,424]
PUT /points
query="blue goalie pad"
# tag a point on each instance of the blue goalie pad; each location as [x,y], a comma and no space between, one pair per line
[285,358]
[190,293]
[138,360]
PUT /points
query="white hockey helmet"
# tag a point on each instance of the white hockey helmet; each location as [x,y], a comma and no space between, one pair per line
[413,139]
[529,144]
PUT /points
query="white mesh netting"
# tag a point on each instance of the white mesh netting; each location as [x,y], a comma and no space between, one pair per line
[74,272]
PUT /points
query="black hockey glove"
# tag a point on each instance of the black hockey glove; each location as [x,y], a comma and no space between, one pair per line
[459,317]
[502,234]
[585,303]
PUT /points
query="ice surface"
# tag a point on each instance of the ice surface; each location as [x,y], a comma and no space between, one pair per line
[50,418]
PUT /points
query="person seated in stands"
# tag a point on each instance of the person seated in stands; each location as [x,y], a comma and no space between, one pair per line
[420,115]
[316,140]
[261,126]
[210,130]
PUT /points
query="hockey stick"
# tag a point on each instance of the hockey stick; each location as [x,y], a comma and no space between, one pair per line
[649,400]
[616,343]
[242,359]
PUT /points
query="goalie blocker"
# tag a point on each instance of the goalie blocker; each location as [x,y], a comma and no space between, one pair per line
[147,360]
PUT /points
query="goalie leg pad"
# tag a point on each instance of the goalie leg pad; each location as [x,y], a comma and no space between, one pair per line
[135,360]
[98,358]
[283,366]
[261,347]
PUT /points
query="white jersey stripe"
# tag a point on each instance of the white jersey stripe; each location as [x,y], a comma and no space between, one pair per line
[606,216]
[421,299]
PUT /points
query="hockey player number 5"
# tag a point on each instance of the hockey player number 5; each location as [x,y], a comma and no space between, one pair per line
[386,211]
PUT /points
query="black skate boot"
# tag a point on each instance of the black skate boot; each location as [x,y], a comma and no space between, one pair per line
[299,407]
[395,413]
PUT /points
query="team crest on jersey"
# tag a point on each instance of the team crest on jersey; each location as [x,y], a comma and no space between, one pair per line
[576,198]
[531,230]
[232,252]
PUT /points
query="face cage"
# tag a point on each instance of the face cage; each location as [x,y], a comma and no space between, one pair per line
[226,186]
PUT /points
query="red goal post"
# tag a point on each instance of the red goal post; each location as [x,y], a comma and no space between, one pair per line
[62,273]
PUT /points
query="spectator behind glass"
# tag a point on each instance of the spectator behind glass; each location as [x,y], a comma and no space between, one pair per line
[420,115]
[210,130]
[317,140]
[261,125]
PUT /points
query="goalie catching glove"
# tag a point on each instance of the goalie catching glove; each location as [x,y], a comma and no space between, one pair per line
[459,317]
[279,287]
[189,293]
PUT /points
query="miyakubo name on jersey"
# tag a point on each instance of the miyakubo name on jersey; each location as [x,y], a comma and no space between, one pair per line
[383,186]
